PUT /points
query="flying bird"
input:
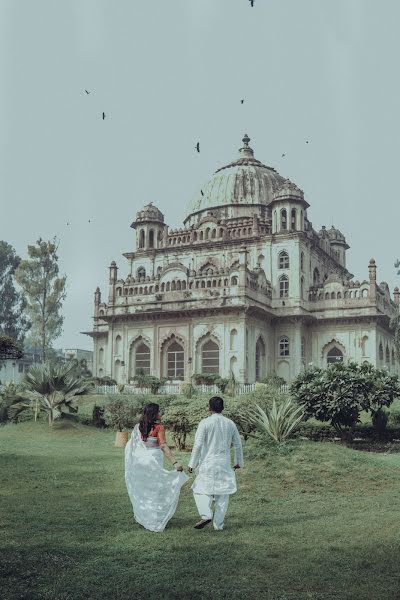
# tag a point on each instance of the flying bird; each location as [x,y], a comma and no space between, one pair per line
[306,141]
[202,192]
[241,102]
[104,115]
[67,223]
[87,92]
[251,2]
[198,146]
[283,154]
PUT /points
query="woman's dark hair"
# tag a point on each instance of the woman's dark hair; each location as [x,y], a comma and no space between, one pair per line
[148,419]
[216,404]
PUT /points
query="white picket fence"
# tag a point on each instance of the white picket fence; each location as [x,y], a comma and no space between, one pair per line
[175,388]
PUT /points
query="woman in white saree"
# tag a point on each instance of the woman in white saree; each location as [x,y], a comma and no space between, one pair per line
[153,491]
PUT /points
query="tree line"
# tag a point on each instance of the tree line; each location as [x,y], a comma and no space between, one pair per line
[32,293]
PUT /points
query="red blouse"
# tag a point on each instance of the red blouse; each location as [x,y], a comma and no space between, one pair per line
[158,432]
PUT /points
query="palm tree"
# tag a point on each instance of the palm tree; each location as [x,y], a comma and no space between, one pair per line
[50,387]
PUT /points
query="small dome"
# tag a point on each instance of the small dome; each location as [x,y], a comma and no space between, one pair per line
[245,181]
[149,213]
[287,190]
[335,234]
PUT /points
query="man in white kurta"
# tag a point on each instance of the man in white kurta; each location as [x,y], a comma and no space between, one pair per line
[211,456]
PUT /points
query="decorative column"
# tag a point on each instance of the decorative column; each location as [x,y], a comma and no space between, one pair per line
[396,296]
[372,279]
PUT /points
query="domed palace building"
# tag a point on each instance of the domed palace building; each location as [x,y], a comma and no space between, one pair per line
[246,286]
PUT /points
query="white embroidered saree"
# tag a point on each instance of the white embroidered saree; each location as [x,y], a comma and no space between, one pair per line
[153,491]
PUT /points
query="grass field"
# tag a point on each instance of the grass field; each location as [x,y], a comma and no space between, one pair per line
[315,521]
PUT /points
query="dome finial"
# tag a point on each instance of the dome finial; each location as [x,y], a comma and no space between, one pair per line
[246,151]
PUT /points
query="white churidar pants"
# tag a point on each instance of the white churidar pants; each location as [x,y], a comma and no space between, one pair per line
[204,506]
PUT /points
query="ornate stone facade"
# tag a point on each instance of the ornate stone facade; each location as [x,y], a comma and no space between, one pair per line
[247,286]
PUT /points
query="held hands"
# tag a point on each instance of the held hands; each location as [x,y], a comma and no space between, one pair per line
[236,467]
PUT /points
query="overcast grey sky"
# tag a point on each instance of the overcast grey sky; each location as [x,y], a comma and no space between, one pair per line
[168,73]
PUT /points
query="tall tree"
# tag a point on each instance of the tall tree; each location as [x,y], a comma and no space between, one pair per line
[45,291]
[395,323]
[13,320]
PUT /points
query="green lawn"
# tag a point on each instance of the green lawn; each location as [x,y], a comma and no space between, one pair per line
[317,522]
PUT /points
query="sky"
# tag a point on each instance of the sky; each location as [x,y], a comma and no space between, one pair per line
[169,73]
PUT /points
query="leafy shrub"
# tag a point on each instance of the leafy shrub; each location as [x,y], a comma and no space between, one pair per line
[188,390]
[205,378]
[182,416]
[10,394]
[98,419]
[340,392]
[222,383]
[240,408]
[103,381]
[278,422]
[144,380]
[121,413]
[273,380]
[380,420]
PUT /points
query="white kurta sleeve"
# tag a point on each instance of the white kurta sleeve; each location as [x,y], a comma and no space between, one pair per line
[237,444]
[198,442]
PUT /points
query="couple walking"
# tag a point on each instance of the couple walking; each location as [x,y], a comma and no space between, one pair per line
[154,491]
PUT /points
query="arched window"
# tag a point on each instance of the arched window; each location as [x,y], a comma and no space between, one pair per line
[293,223]
[168,286]
[101,356]
[316,277]
[141,238]
[117,347]
[393,357]
[234,280]
[334,355]
[302,288]
[142,359]
[207,233]
[284,346]
[195,236]
[210,357]
[283,219]
[173,286]
[284,287]
[141,273]
[221,232]
[151,238]
[203,284]
[201,235]
[387,355]
[333,295]
[302,261]
[163,287]
[214,233]
[283,260]
[275,221]
[381,351]
[175,361]
[260,359]
[119,291]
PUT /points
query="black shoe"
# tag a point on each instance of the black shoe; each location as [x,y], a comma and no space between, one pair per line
[202,523]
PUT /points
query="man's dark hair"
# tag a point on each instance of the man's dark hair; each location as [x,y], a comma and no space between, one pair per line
[216,404]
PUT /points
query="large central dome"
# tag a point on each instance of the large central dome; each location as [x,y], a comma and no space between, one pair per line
[245,181]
